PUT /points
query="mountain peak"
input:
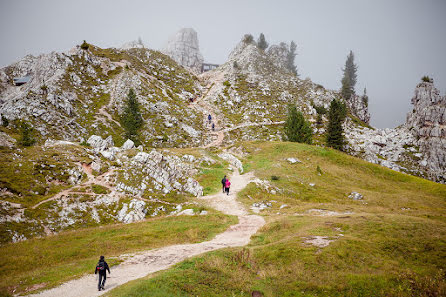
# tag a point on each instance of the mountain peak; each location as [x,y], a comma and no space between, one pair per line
[184,48]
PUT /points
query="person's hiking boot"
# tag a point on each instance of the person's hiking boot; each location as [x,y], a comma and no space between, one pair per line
[99,288]
[102,287]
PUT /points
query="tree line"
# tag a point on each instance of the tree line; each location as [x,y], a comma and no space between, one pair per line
[298,129]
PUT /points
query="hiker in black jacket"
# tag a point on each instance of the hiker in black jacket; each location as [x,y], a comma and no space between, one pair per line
[102,268]
[223,183]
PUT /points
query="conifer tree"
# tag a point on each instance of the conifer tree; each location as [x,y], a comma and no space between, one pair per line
[336,116]
[350,77]
[26,132]
[261,42]
[297,129]
[290,58]
[365,98]
[131,118]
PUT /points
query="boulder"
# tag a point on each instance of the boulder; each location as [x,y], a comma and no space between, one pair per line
[187,212]
[132,212]
[97,143]
[355,196]
[293,160]
[128,144]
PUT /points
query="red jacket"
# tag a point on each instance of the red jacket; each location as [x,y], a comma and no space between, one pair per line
[227,184]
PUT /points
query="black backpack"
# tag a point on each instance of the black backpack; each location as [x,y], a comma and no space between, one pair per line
[100,266]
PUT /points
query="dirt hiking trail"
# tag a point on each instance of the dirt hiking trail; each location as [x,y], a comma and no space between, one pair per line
[143,263]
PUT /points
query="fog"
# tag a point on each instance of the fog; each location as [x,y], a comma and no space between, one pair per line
[395,42]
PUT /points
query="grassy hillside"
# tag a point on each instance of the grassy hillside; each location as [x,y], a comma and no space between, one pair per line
[51,260]
[390,243]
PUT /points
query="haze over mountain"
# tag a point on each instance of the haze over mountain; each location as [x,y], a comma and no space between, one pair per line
[394,43]
[114,141]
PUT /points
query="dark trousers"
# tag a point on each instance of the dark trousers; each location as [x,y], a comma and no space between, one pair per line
[102,278]
[227,191]
[224,188]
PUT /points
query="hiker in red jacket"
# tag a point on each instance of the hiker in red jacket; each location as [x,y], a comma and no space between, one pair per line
[102,268]
[227,186]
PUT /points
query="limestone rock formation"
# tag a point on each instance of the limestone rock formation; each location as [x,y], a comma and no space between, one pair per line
[82,92]
[358,105]
[133,44]
[278,54]
[418,147]
[184,49]
[427,122]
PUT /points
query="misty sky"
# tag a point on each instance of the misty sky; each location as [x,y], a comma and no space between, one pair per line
[395,42]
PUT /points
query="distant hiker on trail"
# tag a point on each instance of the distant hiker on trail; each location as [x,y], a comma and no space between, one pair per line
[213,127]
[209,119]
[227,186]
[102,268]
[191,99]
[223,183]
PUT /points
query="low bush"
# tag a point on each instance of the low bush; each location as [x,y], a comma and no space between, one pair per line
[427,79]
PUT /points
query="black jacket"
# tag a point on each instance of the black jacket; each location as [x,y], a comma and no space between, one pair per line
[96,270]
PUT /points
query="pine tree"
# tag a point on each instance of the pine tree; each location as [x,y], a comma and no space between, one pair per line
[261,42]
[290,58]
[346,89]
[336,116]
[131,118]
[26,132]
[297,129]
[350,77]
[365,98]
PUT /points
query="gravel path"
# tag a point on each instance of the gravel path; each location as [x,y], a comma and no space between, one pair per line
[141,264]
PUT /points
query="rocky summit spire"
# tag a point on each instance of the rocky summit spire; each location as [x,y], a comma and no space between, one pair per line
[184,49]
[427,121]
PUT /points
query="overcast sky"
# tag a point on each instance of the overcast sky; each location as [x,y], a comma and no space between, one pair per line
[395,42]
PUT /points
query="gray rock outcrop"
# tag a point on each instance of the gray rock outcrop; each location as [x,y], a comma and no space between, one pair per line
[133,44]
[358,105]
[184,49]
[278,54]
[427,122]
[418,147]
[132,212]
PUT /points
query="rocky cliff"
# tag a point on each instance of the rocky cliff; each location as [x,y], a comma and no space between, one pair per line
[73,95]
[427,122]
[418,147]
[253,89]
[183,47]
[82,92]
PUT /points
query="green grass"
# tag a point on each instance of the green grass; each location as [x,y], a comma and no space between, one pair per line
[36,173]
[210,178]
[55,259]
[98,189]
[383,250]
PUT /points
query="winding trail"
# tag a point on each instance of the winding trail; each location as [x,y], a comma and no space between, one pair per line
[98,180]
[202,105]
[141,264]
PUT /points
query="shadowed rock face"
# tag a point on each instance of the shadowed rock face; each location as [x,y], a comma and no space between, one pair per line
[184,49]
[427,122]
